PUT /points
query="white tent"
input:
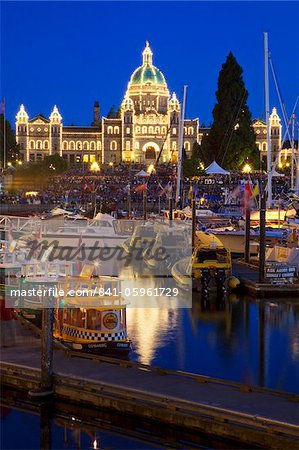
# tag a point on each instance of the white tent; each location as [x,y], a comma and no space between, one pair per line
[214,168]
[142,173]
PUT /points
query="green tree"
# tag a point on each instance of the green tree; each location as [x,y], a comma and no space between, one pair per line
[231,140]
[193,166]
[11,147]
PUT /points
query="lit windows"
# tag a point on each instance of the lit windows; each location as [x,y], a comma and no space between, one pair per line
[113,145]
[110,130]
[187,146]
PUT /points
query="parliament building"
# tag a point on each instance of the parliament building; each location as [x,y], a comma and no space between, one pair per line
[147,120]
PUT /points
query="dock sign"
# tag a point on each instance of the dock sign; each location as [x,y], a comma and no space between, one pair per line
[280,273]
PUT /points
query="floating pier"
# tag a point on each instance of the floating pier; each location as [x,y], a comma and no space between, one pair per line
[254,416]
[248,274]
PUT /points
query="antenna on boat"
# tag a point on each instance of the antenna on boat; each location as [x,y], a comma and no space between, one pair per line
[267,111]
[180,153]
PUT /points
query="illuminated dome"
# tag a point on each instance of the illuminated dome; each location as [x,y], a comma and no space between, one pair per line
[147,74]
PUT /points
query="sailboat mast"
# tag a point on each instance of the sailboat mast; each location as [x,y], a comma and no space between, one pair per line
[267,111]
[180,150]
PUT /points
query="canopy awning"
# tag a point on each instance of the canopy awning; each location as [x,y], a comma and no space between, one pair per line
[214,168]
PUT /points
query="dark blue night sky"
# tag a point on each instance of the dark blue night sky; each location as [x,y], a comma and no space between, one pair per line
[72,53]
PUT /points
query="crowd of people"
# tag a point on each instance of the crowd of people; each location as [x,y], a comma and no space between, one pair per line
[111,187]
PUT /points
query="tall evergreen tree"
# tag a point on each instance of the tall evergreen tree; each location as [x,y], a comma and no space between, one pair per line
[11,147]
[231,140]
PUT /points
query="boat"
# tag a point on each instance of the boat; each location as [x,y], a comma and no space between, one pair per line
[143,236]
[92,322]
[234,239]
[168,247]
[209,267]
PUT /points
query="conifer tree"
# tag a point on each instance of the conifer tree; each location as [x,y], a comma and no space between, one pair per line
[231,140]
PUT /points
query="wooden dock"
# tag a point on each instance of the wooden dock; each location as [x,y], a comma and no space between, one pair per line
[251,415]
[248,275]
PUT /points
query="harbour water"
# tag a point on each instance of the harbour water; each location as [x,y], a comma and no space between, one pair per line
[241,339]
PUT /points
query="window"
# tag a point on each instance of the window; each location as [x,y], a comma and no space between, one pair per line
[137,129]
[174,146]
[190,130]
[39,145]
[32,157]
[163,130]
[99,145]
[116,130]
[38,157]
[128,130]
[143,130]
[109,130]
[92,146]
[113,145]
[187,146]
[85,145]
[72,145]
[157,130]
[65,146]
[78,146]
[46,145]
[32,145]
[128,146]
[174,131]
[137,145]
[151,130]
[264,147]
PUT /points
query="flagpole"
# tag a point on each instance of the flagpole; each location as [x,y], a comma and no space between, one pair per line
[267,110]
[4,135]
[180,149]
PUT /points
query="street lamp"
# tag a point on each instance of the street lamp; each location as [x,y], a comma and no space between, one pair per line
[247,168]
[151,168]
[94,167]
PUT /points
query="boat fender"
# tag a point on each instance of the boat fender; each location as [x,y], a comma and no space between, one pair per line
[233,282]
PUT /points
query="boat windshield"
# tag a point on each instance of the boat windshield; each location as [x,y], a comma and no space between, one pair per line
[218,255]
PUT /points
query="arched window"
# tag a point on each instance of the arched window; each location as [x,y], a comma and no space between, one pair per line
[110,130]
[143,130]
[259,145]
[174,131]
[46,145]
[187,146]
[174,145]
[151,130]
[85,145]
[137,129]
[190,130]
[150,153]
[78,145]
[92,146]
[72,145]
[128,130]
[264,147]
[39,145]
[163,130]
[113,145]
[65,146]
[185,130]
[128,146]
[32,145]
[157,130]
[99,145]
[116,130]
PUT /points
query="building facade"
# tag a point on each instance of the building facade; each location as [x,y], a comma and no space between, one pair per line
[146,123]
[260,129]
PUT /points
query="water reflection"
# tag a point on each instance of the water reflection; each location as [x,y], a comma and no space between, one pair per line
[241,339]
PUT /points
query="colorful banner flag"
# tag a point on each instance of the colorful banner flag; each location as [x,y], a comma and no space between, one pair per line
[141,187]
